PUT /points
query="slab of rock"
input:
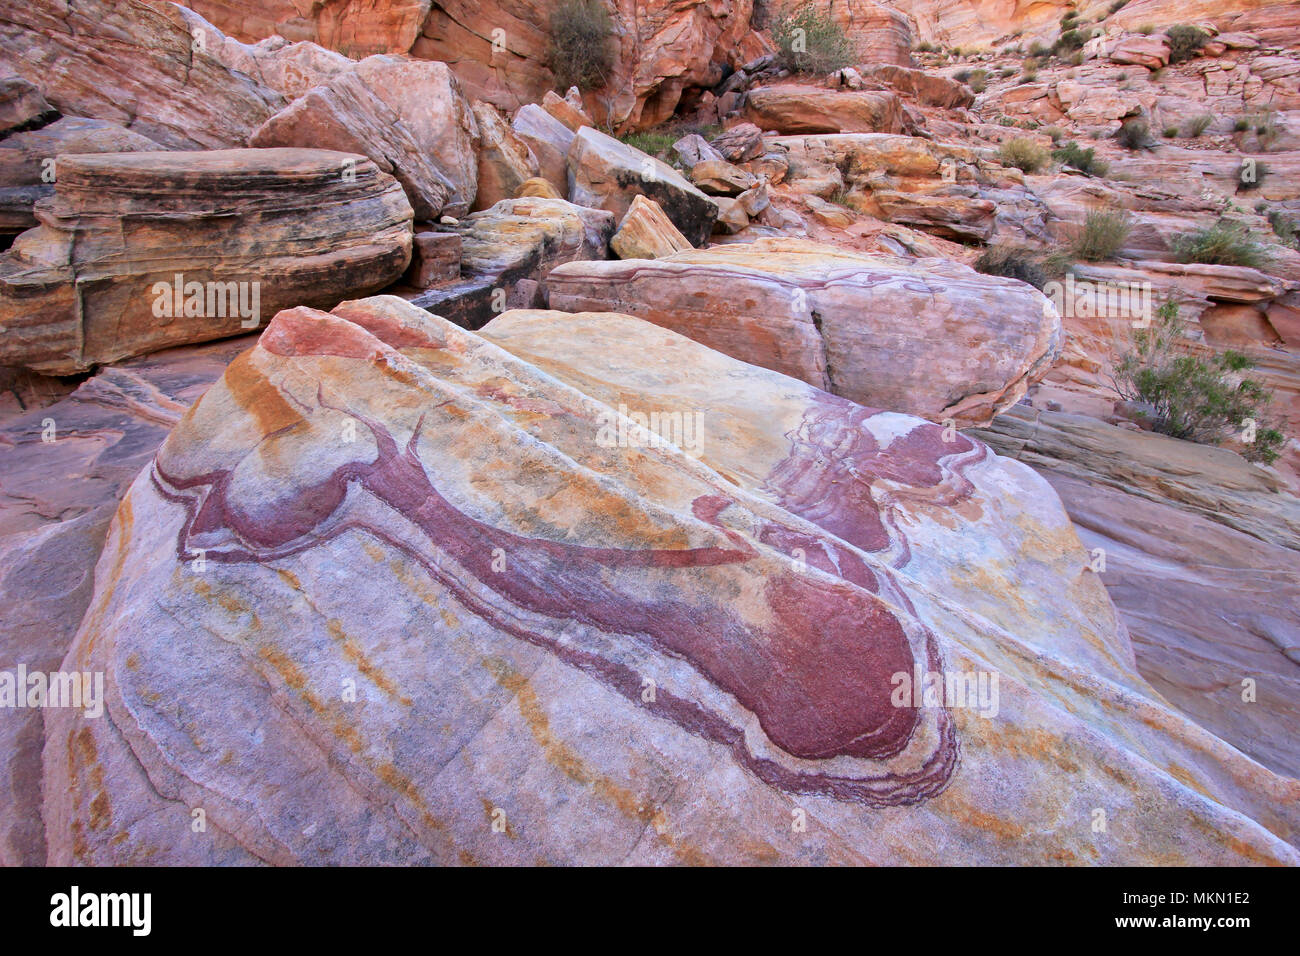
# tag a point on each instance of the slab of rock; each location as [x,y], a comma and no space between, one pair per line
[549,139]
[1183,528]
[22,106]
[95,441]
[695,149]
[606,174]
[813,109]
[646,233]
[505,161]
[28,170]
[508,251]
[538,188]
[1151,52]
[135,65]
[720,178]
[500,577]
[244,232]
[925,337]
[740,143]
[347,116]
[567,109]
[931,89]
[435,258]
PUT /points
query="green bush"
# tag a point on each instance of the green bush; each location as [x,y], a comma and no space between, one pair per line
[1185,42]
[1070,40]
[961,76]
[652,142]
[1135,134]
[809,41]
[1029,75]
[1055,132]
[1084,160]
[1104,234]
[1171,132]
[1024,154]
[1116,7]
[1037,49]
[1014,262]
[1241,125]
[1199,125]
[581,54]
[1200,399]
[979,81]
[1225,244]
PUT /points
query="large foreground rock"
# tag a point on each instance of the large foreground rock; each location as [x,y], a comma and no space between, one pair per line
[926,337]
[245,233]
[390,594]
[96,441]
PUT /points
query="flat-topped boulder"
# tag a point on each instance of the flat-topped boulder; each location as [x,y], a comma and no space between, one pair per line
[141,251]
[390,588]
[927,337]
[793,108]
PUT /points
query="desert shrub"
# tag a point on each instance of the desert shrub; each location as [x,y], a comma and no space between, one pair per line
[1284,227]
[652,142]
[1171,132]
[1251,175]
[1029,75]
[1055,132]
[1084,160]
[1070,40]
[1241,125]
[1147,29]
[1196,398]
[1116,7]
[1104,233]
[1014,262]
[1006,121]
[978,81]
[961,76]
[1077,59]
[1185,41]
[581,54]
[1225,243]
[1024,154]
[809,41]
[1135,134]
[1198,125]
[1037,49]
[926,47]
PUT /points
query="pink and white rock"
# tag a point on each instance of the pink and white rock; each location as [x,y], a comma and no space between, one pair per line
[607,174]
[549,139]
[505,161]
[500,585]
[925,337]
[51,531]
[138,252]
[134,65]
[646,233]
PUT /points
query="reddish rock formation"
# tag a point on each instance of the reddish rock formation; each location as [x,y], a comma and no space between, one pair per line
[928,338]
[244,232]
[519,601]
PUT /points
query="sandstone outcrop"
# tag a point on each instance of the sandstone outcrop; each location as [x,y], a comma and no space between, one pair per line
[606,174]
[96,440]
[505,161]
[646,233]
[157,86]
[137,252]
[795,108]
[928,337]
[549,139]
[499,583]
[508,251]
